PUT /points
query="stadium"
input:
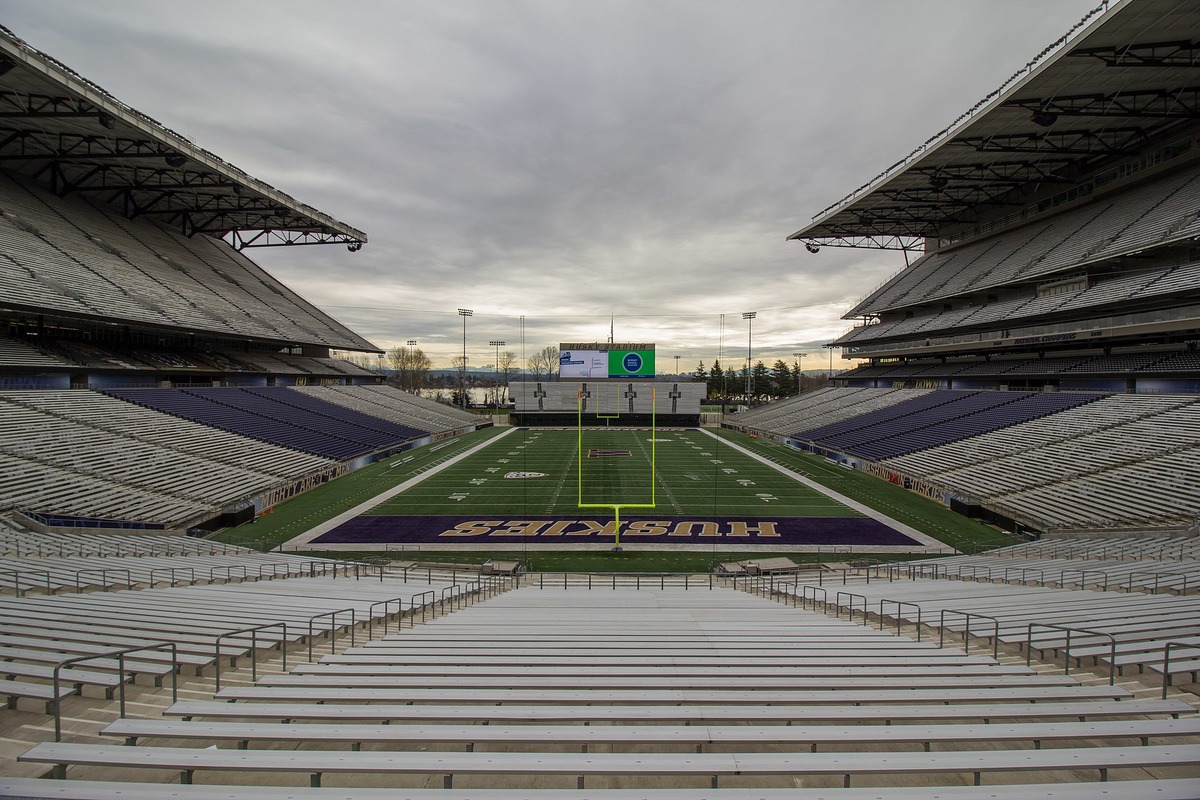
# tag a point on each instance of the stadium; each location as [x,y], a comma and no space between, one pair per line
[236,564]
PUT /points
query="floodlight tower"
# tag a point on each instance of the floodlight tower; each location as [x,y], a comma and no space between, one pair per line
[799,370]
[462,381]
[412,378]
[676,366]
[749,317]
[497,343]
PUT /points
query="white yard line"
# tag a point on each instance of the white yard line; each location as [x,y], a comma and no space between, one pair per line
[866,511]
[387,494]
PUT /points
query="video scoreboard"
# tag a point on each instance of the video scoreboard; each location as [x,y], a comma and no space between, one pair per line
[605,361]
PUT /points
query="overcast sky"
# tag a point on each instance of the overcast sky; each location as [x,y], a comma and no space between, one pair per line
[565,161]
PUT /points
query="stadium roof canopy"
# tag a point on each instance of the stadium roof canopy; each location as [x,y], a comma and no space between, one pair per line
[66,132]
[1124,76]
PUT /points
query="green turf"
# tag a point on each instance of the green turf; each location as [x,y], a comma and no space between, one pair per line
[696,475]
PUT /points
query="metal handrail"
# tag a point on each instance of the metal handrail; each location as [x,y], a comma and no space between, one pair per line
[1167,661]
[967,630]
[1112,662]
[413,605]
[228,572]
[253,631]
[814,589]
[1083,573]
[17,573]
[332,628]
[1023,570]
[120,656]
[103,577]
[899,620]
[274,571]
[171,571]
[837,602]
[399,601]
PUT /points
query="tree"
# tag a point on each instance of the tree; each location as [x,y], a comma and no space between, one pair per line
[461,393]
[783,380]
[410,368]
[701,374]
[506,368]
[549,355]
[716,382]
[760,381]
[536,364]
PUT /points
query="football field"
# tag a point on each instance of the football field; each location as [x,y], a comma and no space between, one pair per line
[561,488]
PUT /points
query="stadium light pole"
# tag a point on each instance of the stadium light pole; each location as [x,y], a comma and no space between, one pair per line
[497,343]
[462,381]
[749,317]
[799,370]
[676,366]
[411,378]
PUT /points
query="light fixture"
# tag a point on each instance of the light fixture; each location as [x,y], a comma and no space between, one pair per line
[812,247]
[106,120]
[938,182]
[1044,118]
[462,381]
[749,317]
[497,343]
[174,159]
[354,247]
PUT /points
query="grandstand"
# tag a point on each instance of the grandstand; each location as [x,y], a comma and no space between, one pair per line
[1035,363]
[178,382]
[152,376]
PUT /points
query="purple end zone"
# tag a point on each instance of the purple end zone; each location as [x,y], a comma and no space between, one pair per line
[675,530]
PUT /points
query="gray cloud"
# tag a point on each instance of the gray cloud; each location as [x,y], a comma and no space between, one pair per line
[565,161]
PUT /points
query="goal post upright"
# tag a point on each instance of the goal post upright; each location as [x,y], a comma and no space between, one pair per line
[616,507]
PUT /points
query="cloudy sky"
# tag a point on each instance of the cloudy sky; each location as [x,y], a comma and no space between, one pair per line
[633,162]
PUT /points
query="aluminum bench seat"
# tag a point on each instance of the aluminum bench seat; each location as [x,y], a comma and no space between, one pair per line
[41,789]
[666,696]
[694,714]
[589,683]
[812,736]
[847,764]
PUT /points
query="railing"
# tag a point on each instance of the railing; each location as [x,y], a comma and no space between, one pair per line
[806,590]
[171,572]
[633,580]
[274,567]
[17,573]
[899,619]
[1112,661]
[103,577]
[229,569]
[399,601]
[120,656]
[837,602]
[253,631]
[333,615]
[1166,670]
[412,605]
[1024,572]
[967,629]
[1083,573]
[1158,576]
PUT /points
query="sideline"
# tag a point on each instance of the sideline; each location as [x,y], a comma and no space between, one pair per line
[865,510]
[386,494]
